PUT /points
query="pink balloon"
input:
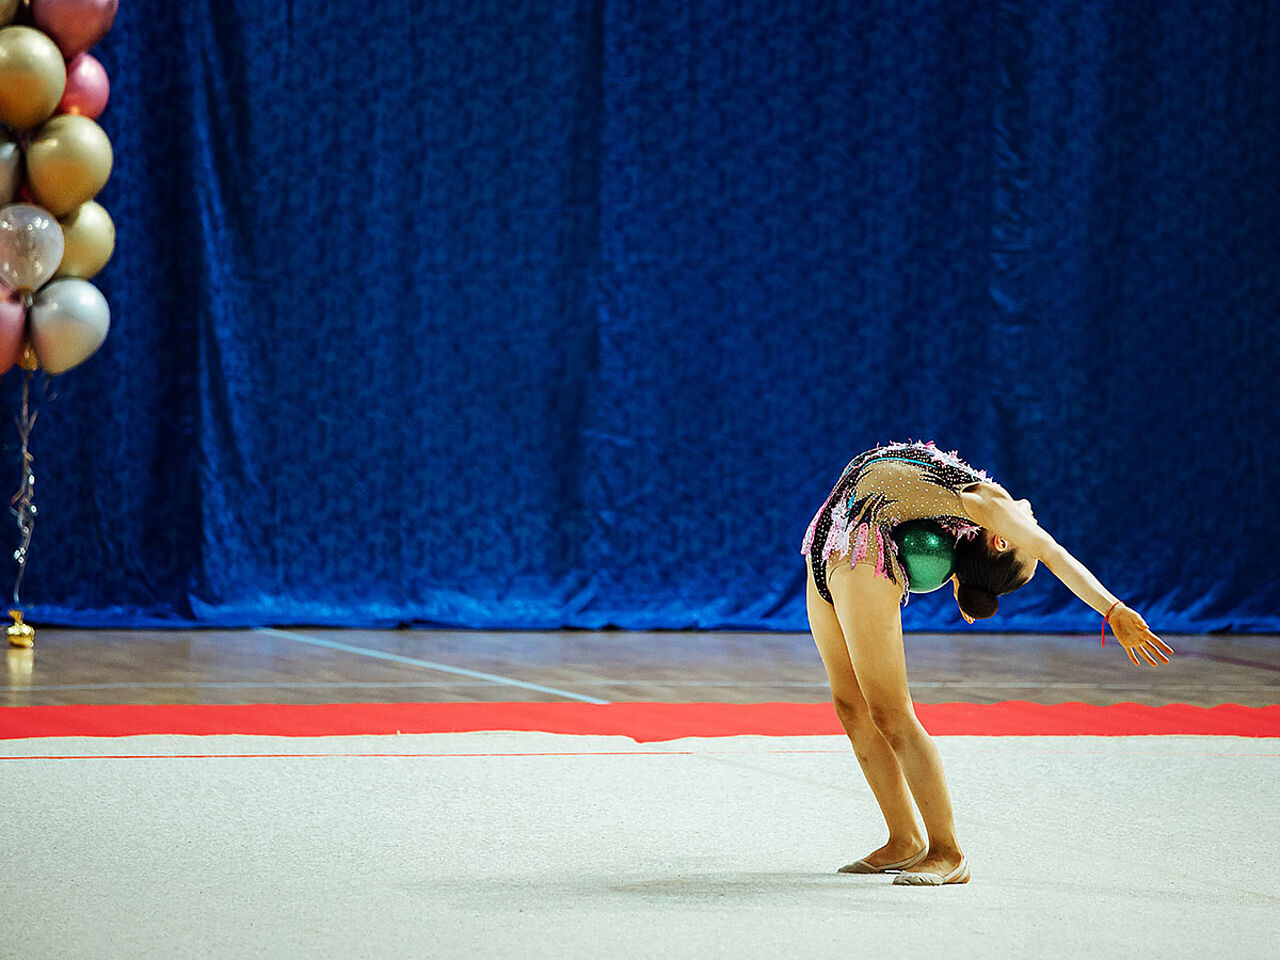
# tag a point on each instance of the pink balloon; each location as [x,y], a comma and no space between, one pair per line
[13,328]
[87,88]
[74,25]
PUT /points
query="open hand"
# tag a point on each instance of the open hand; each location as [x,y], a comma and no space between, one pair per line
[1137,639]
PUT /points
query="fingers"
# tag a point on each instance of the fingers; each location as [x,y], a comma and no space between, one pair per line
[1153,644]
[1163,650]
[1151,654]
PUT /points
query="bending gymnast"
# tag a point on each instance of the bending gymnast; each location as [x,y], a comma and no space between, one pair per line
[856,583]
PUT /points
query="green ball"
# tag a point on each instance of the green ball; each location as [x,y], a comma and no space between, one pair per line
[927,553]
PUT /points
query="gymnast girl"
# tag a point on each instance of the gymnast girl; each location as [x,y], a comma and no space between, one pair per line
[856,582]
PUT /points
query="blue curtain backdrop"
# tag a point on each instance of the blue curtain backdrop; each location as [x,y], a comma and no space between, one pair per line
[529,314]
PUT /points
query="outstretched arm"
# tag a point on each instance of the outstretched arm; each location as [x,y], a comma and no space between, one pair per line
[993,509]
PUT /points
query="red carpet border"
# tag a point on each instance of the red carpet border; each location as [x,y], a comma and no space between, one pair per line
[643,722]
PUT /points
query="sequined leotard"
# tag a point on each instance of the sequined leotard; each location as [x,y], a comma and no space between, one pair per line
[877,491]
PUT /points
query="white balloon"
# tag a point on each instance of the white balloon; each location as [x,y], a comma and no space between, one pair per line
[31,245]
[10,166]
[69,321]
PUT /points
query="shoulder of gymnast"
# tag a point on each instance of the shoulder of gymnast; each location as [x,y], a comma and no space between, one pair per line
[991,507]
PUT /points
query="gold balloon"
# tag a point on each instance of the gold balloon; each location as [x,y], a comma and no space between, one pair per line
[8,10]
[68,162]
[90,239]
[33,77]
[29,362]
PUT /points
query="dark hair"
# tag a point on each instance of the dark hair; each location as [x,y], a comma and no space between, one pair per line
[985,575]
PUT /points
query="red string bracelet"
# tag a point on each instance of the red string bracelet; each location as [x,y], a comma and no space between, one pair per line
[1106,620]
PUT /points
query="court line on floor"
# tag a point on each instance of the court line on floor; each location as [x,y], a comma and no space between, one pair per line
[427,665]
[408,754]
[545,753]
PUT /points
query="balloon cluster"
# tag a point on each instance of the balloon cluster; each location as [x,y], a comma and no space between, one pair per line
[54,159]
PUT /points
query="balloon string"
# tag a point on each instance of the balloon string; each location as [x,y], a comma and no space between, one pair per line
[22,504]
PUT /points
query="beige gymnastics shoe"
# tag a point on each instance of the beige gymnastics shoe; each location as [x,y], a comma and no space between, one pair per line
[861,866]
[959,875]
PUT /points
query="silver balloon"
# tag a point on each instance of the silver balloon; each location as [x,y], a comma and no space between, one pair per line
[10,167]
[30,246]
[69,322]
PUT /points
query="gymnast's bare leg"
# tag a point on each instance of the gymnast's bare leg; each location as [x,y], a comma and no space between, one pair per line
[867,609]
[875,755]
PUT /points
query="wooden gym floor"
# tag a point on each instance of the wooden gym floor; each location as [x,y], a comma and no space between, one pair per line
[312,665]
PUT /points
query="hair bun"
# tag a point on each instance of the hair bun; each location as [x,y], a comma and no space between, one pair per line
[976,601]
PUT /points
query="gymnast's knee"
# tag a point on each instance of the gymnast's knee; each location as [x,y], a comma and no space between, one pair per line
[895,720]
[852,711]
